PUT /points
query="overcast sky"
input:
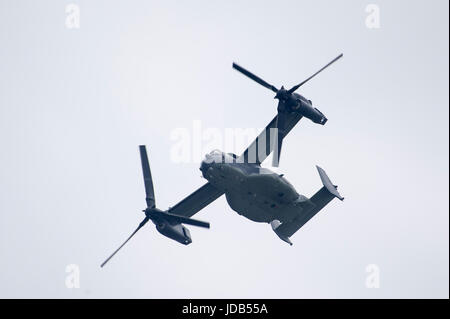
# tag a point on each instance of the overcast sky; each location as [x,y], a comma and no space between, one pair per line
[75,103]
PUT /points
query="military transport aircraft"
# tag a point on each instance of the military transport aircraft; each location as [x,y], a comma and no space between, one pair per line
[252,191]
[288,102]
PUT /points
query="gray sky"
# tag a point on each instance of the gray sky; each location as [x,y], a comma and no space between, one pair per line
[76,103]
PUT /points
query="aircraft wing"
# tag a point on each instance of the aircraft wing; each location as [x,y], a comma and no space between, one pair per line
[198,200]
[256,153]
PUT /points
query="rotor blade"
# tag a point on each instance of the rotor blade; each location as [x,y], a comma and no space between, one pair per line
[146,219]
[148,182]
[299,85]
[186,220]
[281,119]
[254,77]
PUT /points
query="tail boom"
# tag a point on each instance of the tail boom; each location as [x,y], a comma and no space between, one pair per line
[318,201]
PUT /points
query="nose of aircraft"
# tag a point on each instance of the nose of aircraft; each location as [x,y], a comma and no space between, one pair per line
[204,166]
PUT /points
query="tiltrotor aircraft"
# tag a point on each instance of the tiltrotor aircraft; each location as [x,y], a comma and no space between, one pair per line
[254,192]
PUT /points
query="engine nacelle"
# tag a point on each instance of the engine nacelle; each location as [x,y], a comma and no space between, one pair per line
[176,232]
[304,106]
[308,111]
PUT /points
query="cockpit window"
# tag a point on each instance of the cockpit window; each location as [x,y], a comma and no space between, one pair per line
[215,152]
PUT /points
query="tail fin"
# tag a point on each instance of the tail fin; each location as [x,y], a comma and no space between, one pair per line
[327,183]
[318,201]
[275,224]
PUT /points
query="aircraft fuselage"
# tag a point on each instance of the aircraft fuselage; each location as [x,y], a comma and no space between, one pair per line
[257,193]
